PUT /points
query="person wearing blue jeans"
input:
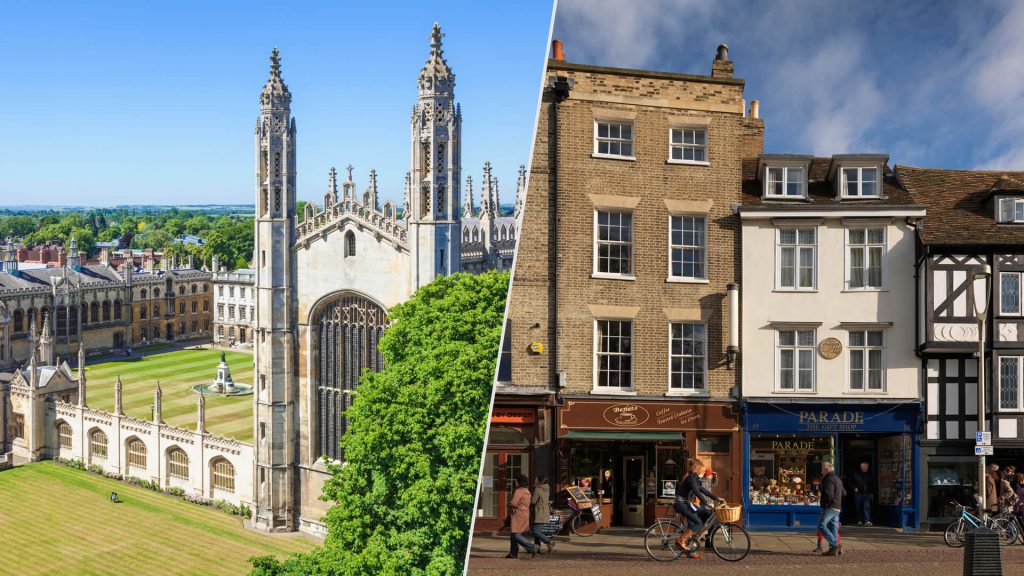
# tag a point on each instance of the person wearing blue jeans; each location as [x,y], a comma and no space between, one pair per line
[832,494]
[862,497]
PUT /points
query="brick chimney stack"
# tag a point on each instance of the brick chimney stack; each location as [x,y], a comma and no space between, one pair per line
[721,67]
[557,50]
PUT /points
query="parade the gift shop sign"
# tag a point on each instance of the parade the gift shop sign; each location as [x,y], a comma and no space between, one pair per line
[833,418]
[643,416]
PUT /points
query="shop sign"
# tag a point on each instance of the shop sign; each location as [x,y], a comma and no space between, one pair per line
[644,416]
[513,415]
[786,418]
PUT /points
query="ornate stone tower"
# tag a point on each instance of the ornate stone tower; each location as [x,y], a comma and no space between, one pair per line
[434,211]
[275,349]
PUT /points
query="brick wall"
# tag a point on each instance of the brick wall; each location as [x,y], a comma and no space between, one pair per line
[557,239]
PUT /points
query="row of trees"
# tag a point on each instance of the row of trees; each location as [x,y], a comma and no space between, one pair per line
[227,234]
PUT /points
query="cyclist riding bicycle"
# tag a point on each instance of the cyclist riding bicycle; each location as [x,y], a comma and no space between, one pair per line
[690,491]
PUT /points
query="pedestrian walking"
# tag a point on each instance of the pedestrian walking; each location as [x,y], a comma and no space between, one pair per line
[520,520]
[863,481]
[821,540]
[1008,498]
[1018,510]
[832,494]
[541,508]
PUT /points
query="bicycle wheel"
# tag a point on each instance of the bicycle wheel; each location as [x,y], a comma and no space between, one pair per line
[583,524]
[660,541]
[1007,530]
[730,542]
[955,533]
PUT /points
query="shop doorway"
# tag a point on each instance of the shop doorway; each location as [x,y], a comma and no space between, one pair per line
[501,467]
[716,453]
[890,473]
[633,504]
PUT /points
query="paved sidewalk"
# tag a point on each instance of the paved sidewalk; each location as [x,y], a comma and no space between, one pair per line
[869,551]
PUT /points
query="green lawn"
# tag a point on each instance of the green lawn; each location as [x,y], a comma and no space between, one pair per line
[176,371]
[55,520]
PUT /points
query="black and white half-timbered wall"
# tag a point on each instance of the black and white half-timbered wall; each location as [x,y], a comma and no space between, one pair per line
[975,218]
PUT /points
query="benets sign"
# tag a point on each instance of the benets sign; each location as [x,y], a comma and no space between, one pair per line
[644,416]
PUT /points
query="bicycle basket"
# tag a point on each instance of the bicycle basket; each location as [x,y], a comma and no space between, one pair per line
[729,513]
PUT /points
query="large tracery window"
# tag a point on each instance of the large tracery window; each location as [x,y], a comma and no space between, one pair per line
[349,329]
[136,454]
[177,464]
[222,475]
[97,445]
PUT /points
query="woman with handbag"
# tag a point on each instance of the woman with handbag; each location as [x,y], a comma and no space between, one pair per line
[541,508]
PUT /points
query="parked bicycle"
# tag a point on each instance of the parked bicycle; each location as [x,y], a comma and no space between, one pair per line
[578,521]
[729,540]
[1003,524]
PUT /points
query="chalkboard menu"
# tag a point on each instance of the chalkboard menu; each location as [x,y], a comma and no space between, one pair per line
[576,493]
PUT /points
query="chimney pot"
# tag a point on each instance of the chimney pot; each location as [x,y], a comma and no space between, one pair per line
[755,109]
[723,52]
[721,66]
[557,50]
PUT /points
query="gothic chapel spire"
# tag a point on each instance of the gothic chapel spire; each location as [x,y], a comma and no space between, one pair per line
[436,78]
[275,93]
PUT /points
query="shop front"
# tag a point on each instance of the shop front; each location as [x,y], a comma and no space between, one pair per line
[518,443]
[785,445]
[630,456]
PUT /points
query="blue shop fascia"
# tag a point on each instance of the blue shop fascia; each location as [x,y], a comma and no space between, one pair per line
[785,442]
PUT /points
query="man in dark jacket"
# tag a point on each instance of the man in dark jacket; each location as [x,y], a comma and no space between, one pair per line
[862,496]
[832,494]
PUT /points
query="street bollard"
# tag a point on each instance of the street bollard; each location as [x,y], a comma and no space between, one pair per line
[981,554]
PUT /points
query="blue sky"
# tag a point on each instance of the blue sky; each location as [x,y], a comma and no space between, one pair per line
[110,103]
[938,84]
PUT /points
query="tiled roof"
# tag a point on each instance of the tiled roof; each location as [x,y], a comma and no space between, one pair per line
[959,210]
[821,192]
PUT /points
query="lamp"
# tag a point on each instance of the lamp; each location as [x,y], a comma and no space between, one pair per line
[981,303]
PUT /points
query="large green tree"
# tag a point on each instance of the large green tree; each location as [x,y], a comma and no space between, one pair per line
[404,497]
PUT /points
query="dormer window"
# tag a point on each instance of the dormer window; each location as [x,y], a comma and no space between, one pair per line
[860,182]
[785,182]
[1010,210]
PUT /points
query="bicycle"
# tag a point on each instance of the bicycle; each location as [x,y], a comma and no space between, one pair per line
[729,540]
[582,521]
[1003,524]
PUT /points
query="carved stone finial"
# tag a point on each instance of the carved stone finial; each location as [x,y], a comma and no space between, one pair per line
[349,169]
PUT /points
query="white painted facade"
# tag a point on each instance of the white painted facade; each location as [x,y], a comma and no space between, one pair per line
[830,309]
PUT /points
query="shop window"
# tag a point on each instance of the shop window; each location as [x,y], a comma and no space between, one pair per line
[671,463]
[895,470]
[487,504]
[593,470]
[787,469]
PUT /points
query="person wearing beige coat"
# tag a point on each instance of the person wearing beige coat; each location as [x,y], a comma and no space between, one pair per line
[541,508]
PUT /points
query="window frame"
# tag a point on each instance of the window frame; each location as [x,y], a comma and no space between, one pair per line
[1020,300]
[597,388]
[631,141]
[767,193]
[1020,389]
[681,391]
[703,279]
[796,259]
[796,347]
[104,451]
[217,473]
[683,145]
[1016,202]
[866,246]
[134,457]
[866,348]
[631,244]
[173,468]
[65,440]
[843,192]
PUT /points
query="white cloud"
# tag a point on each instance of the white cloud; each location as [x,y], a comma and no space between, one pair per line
[998,86]
[627,34]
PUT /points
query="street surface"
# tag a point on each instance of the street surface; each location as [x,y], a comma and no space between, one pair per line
[869,551]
